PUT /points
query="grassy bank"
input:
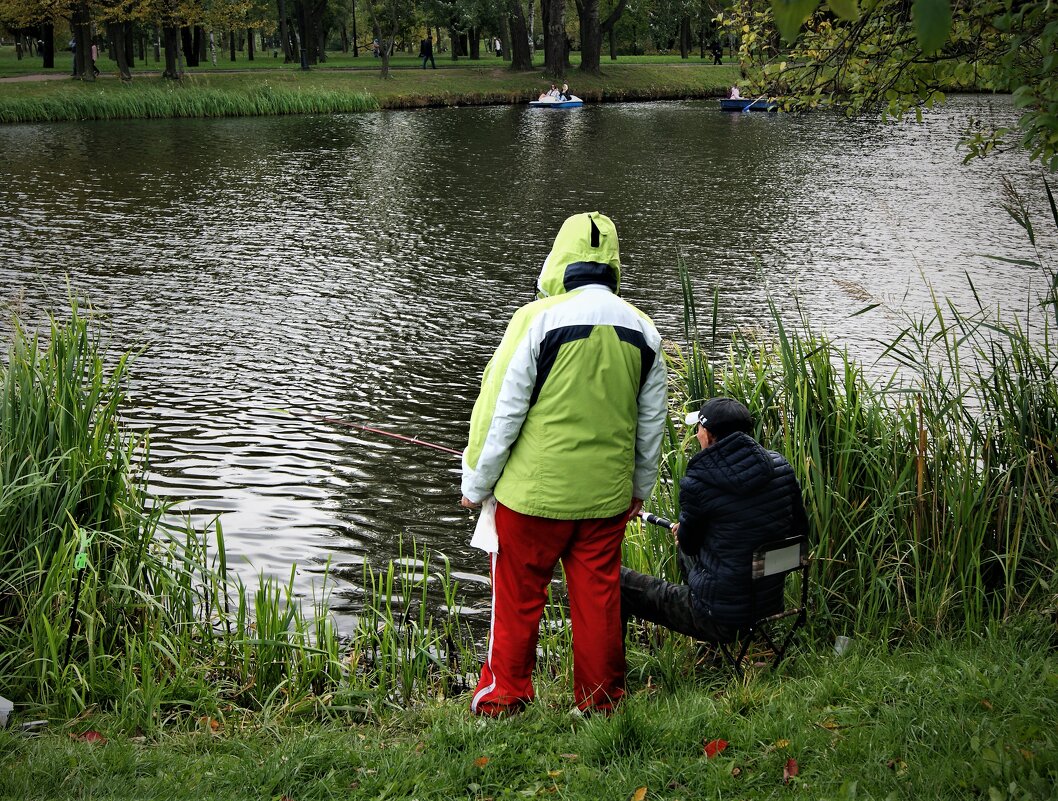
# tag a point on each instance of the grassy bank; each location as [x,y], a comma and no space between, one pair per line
[972,719]
[319,91]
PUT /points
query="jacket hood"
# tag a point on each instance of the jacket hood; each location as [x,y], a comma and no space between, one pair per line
[585,252]
[737,464]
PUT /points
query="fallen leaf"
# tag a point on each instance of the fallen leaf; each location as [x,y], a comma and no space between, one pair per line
[570,757]
[782,743]
[736,771]
[830,724]
[554,774]
[91,737]
[789,770]
[986,704]
[639,794]
[714,747]
[897,765]
[1026,753]
[481,762]
[286,798]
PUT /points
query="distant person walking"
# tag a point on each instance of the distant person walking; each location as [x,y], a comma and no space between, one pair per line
[426,51]
[95,55]
[718,52]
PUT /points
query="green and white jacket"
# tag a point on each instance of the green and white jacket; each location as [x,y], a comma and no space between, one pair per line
[569,419]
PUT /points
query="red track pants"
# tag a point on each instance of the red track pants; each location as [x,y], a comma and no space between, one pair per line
[530,547]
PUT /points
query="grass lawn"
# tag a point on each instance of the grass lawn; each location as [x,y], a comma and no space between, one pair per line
[10,65]
[975,719]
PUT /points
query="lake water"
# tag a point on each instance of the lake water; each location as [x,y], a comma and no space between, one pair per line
[364,267]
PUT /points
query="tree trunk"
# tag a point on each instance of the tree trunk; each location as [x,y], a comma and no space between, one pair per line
[555,39]
[201,39]
[284,32]
[187,44]
[116,31]
[171,35]
[130,46]
[356,45]
[82,37]
[475,43]
[590,36]
[250,36]
[685,37]
[47,34]
[607,26]
[505,39]
[521,56]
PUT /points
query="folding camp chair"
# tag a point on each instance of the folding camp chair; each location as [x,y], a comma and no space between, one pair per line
[776,558]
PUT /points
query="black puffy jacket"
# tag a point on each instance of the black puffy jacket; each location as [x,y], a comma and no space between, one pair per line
[736,496]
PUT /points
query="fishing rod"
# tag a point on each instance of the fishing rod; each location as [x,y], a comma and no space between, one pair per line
[647,516]
[381,432]
[655,520]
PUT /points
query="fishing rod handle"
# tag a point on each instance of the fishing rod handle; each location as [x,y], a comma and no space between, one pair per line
[655,520]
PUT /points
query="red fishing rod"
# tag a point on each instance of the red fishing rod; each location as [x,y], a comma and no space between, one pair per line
[371,429]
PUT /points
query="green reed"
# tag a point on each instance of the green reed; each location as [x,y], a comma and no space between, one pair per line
[932,493]
[162,631]
[152,101]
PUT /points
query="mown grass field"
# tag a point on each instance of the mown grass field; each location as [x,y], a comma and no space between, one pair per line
[973,719]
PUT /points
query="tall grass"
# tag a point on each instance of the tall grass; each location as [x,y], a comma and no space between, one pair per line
[933,493]
[105,604]
[177,100]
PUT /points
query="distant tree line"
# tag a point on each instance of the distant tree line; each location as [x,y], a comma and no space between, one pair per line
[191,32]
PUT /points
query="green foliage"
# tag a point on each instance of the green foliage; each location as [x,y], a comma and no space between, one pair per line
[932,495]
[875,56]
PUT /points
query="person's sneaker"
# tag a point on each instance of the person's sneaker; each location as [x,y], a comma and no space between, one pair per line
[499,710]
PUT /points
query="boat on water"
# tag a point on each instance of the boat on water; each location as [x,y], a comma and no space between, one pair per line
[555,102]
[747,104]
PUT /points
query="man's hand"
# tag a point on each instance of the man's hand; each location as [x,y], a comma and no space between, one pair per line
[466,503]
[634,509]
[675,532]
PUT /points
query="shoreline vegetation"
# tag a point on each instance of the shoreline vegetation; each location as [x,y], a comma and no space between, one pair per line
[935,548]
[344,87]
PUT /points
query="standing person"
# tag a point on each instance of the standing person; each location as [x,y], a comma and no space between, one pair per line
[426,51]
[566,434]
[718,52]
[95,55]
[735,497]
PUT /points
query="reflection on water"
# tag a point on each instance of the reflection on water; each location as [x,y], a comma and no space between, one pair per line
[364,266]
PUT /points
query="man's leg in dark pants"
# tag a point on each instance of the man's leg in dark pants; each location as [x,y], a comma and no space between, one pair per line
[667,604]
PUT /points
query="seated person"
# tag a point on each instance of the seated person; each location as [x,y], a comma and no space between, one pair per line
[735,497]
[564,94]
[735,94]
[550,93]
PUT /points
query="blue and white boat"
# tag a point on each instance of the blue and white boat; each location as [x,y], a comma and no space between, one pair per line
[748,104]
[555,102]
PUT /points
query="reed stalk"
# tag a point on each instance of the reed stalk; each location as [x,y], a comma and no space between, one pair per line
[932,493]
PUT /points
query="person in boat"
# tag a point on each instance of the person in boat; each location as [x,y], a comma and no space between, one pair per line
[550,94]
[566,436]
[735,496]
[735,94]
[564,94]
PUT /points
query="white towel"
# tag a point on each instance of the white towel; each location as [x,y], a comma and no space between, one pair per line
[485,531]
